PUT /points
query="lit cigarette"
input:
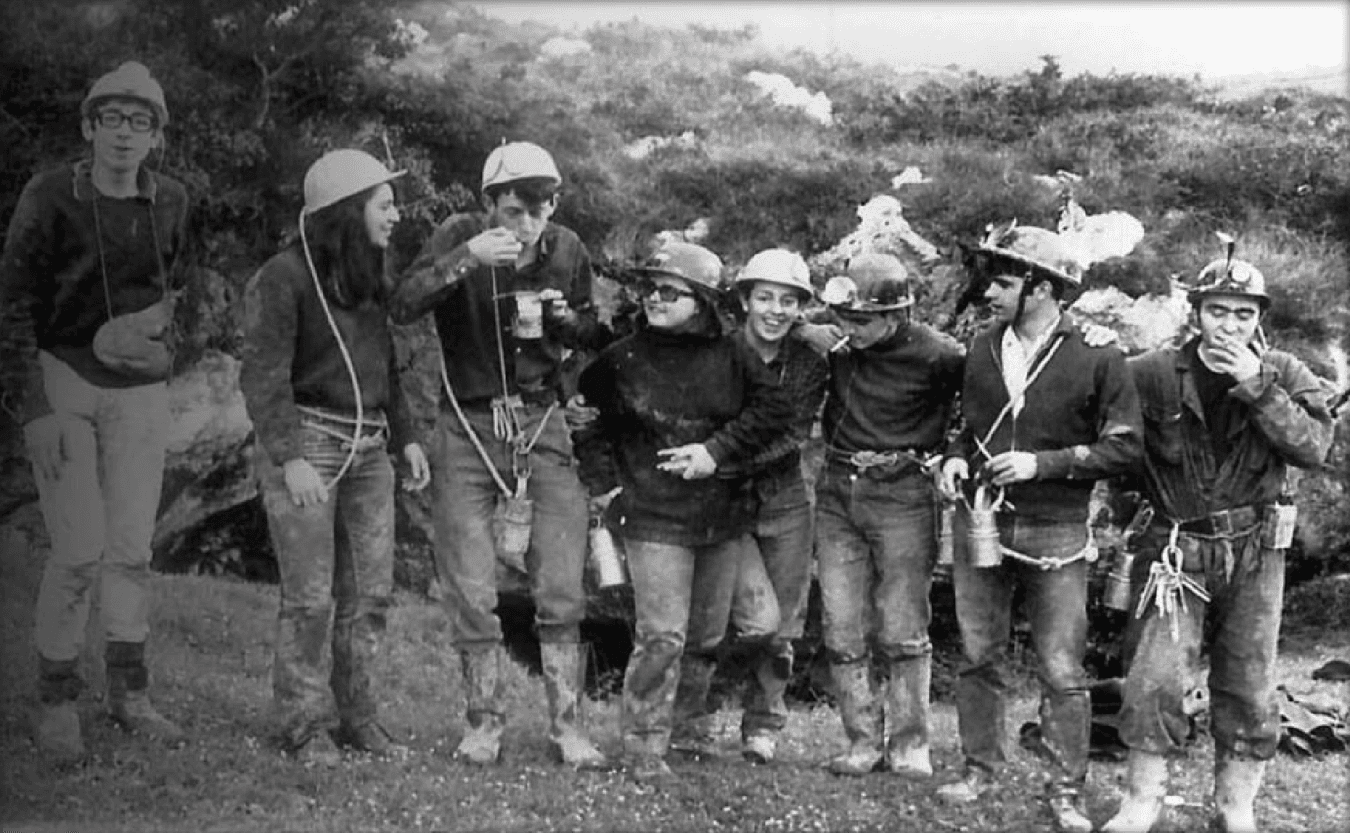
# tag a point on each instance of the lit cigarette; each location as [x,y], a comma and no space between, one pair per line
[839,345]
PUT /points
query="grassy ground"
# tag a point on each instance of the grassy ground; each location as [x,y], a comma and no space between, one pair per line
[211,659]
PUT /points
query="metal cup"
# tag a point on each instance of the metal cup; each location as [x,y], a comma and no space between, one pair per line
[529,315]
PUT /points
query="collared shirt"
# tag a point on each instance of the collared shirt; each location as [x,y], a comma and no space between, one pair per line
[53,271]
[476,313]
[1017,362]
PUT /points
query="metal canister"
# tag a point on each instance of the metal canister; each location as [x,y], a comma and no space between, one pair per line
[606,559]
[511,525]
[982,536]
[1116,594]
[946,533]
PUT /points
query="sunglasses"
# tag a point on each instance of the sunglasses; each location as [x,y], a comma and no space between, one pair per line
[665,292]
[112,119]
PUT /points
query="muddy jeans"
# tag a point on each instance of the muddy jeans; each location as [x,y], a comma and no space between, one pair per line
[1241,625]
[465,494]
[876,547]
[336,562]
[770,602]
[1056,605]
[100,514]
[676,591]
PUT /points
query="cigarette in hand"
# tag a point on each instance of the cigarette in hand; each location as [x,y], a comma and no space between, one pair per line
[839,345]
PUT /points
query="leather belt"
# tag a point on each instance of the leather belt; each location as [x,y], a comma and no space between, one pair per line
[1226,523]
[862,461]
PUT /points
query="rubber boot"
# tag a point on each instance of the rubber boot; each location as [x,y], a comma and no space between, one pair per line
[907,751]
[691,722]
[1236,783]
[644,759]
[481,744]
[128,703]
[1142,807]
[562,684]
[56,729]
[861,718]
[1067,813]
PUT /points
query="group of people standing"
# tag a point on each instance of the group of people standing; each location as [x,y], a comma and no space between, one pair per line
[687,434]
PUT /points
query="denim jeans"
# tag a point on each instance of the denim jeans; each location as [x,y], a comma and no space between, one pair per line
[336,561]
[677,591]
[99,511]
[1056,605]
[465,494]
[770,602]
[1241,624]
[876,547]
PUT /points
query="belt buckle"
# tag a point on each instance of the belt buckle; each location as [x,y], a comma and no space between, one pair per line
[1222,522]
[864,460]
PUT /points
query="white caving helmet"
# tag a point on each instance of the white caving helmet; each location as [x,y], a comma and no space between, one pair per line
[339,174]
[519,160]
[777,266]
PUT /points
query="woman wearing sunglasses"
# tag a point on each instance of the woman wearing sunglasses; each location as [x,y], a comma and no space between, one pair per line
[682,406]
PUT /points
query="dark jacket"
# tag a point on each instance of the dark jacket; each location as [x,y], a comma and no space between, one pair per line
[1081,419]
[51,281]
[1282,420]
[897,394]
[803,374]
[443,279]
[291,358]
[658,390]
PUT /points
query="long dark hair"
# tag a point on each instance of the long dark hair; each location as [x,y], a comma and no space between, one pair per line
[351,269]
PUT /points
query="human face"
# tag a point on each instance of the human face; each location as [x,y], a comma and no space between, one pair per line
[771,309]
[121,149]
[865,329]
[381,215]
[1003,296]
[525,222]
[669,315]
[1228,320]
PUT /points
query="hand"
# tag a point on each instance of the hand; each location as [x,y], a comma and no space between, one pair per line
[578,415]
[1095,335]
[46,446]
[1234,358]
[419,470]
[1011,467]
[304,483]
[691,462]
[823,338]
[495,247]
[554,304]
[954,470]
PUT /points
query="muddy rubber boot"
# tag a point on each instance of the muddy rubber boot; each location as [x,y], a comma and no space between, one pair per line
[1146,787]
[562,683]
[644,760]
[861,717]
[691,724]
[907,751]
[481,744]
[128,703]
[1236,783]
[1066,813]
[57,732]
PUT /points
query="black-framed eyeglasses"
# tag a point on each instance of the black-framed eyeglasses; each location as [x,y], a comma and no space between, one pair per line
[112,119]
[663,291]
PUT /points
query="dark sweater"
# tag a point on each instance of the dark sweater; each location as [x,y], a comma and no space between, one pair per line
[444,280]
[895,394]
[658,390]
[290,358]
[1081,419]
[51,283]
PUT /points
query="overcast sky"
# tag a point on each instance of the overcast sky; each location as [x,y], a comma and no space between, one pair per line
[1213,39]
